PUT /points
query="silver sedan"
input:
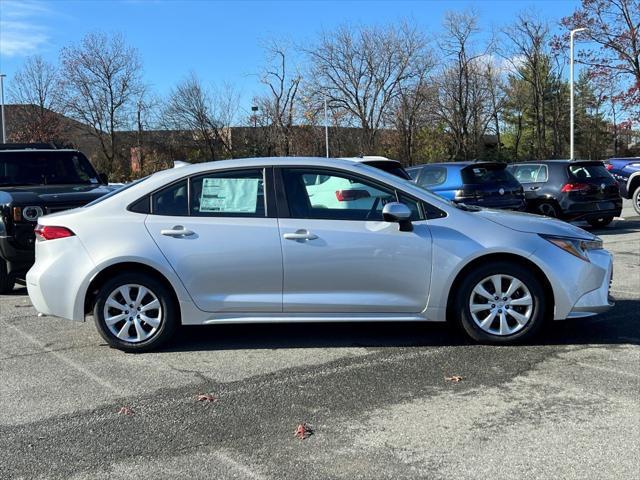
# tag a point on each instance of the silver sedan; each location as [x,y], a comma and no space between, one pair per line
[307,240]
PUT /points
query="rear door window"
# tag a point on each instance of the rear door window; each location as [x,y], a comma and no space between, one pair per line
[530,173]
[432,176]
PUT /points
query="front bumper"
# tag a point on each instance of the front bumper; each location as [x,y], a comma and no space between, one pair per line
[599,300]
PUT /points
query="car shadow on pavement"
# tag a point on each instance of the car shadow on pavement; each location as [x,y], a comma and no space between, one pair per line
[616,228]
[619,326]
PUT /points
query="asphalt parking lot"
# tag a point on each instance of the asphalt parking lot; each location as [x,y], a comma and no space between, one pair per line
[376,397]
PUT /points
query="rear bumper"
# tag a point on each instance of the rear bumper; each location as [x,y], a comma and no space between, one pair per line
[588,210]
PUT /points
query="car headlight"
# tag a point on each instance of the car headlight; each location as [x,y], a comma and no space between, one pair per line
[32,213]
[575,246]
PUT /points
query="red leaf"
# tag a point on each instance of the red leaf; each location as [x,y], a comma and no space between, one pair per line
[125,411]
[206,397]
[303,431]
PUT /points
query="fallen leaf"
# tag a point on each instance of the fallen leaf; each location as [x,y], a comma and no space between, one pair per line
[453,379]
[125,411]
[303,431]
[206,397]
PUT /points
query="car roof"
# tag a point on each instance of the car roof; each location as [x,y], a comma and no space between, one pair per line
[460,165]
[18,150]
[369,158]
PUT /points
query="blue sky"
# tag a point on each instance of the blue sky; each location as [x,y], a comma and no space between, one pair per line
[222,41]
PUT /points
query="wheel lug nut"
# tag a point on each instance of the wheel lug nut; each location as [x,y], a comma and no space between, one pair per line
[126,312]
[504,299]
[499,311]
[493,305]
[496,298]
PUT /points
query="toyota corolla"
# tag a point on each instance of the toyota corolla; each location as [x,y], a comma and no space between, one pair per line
[248,241]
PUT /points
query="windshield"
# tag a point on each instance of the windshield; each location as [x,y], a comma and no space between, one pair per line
[45,168]
[476,174]
[586,171]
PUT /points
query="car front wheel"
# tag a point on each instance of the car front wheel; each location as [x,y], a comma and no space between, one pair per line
[500,303]
[636,200]
[135,312]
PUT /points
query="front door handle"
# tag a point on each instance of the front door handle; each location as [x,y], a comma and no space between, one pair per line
[300,235]
[534,188]
[177,231]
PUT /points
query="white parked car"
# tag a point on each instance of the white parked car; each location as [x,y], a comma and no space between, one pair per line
[244,241]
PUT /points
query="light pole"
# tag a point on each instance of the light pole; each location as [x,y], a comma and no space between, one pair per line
[4,130]
[326,127]
[571,134]
[254,109]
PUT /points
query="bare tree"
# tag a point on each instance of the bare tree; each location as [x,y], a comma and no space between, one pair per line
[36,86]
[102,80]
[207,114]
[361,70]
[280,103]
[463,103]
[529,55]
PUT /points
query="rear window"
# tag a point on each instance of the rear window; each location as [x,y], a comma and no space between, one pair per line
[432,176]
[585,172]
[486,173]
[393,168]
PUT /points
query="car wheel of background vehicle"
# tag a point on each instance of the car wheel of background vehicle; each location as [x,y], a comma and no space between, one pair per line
[548,209]
[135,312]
[600,222]
[500,303]
[6,282]
[636,200]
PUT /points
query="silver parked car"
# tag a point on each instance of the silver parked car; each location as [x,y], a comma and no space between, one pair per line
[247,241]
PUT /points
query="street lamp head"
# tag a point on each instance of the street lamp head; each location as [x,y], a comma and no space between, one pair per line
[254,109]
[576,30]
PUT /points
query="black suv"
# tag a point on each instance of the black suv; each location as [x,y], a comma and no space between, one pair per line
[570,190]
[35,182]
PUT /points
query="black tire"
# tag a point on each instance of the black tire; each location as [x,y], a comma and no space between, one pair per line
[600,222]
[168,310]
[462,313]
[635,199]
[6,282]
[548,209]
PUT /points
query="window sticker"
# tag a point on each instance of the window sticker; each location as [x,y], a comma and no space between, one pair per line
[229,195]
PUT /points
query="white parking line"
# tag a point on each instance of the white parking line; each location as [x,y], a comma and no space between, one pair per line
[243,469]
[67,361]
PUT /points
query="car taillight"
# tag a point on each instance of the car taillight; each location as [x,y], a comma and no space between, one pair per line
[47,232]
[348,195]
[575,187]
[609,166]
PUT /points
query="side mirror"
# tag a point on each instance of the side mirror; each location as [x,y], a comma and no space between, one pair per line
[398,213]
[103,178]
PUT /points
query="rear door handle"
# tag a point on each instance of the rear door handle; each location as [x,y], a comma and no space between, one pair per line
[177,231]
[300,235]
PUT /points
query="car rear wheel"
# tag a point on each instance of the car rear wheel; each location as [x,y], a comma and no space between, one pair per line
[600,221]
[547,209]
[636,200]
[134,312]
[500,303]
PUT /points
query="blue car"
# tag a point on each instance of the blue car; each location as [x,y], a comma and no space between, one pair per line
[627,172]
[485,184]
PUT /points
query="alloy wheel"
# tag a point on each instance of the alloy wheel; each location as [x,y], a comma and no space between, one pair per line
[133,313]
[501,305]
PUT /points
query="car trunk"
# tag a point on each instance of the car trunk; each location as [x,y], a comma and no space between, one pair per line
[590,181]
[490,184]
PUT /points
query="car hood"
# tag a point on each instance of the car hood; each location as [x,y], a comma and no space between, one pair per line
[530,223]
[52,194]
